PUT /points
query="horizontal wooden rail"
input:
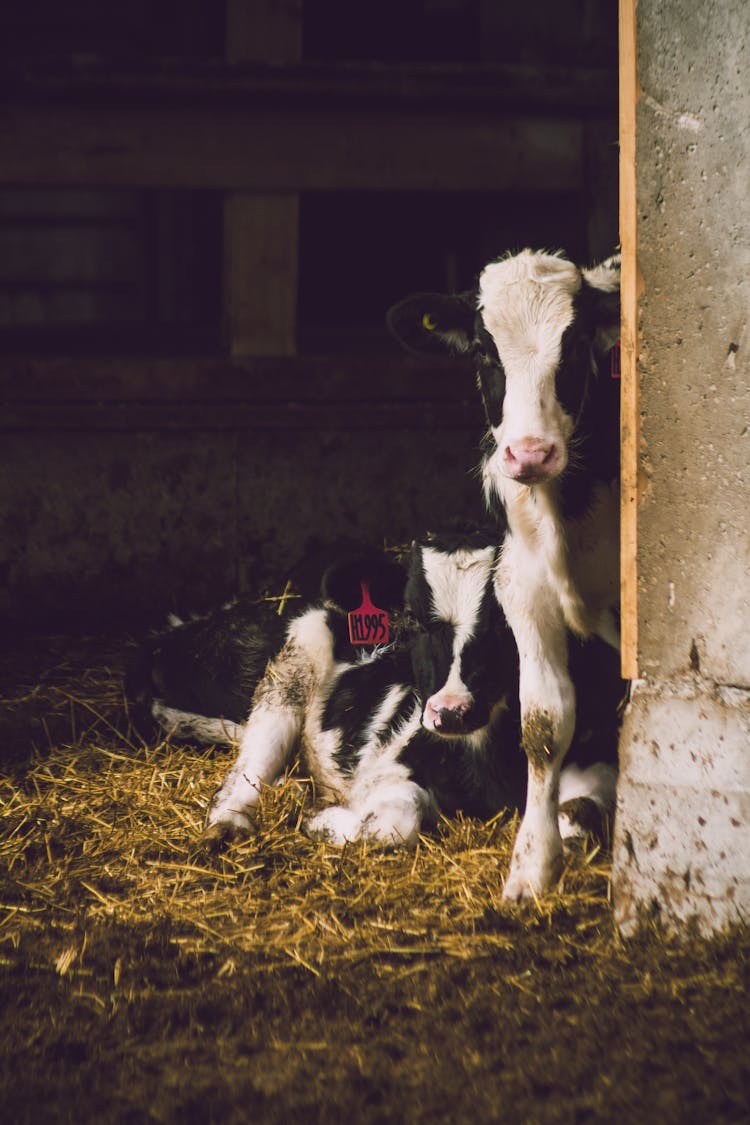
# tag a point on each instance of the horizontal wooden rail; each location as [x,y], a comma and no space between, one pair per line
[300,127]
[554,90]
[282,149]
[208,394]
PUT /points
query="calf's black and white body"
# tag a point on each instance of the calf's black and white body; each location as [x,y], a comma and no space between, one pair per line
[540,330]
[391,736]
[371,727]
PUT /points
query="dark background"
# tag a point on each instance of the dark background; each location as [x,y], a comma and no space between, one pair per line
[150,460]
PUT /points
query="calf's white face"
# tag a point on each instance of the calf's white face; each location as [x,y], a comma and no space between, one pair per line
[459,657]
[526,303]
[537,328]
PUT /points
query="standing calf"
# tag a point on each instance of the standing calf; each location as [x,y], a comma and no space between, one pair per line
[540,330]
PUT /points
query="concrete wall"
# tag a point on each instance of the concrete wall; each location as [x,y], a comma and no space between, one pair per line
[100,530]
[683,833]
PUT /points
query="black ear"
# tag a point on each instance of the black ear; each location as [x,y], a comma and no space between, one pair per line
[385,579]
[602,309]
[600,295]
[429,323]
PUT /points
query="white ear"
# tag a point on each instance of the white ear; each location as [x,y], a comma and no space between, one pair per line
[604,276]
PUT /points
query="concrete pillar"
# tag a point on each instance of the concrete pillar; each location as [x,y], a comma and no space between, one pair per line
[682,837]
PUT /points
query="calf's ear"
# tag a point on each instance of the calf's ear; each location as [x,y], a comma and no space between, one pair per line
[385,578]
[429,323]
[601,294]
[604,311]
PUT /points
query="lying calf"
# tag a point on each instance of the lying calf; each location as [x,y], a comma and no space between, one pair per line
[197,677]
[392,735]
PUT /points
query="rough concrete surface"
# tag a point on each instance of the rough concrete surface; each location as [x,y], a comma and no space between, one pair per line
[126,527]
[693,153]
[682,832]
[682,837]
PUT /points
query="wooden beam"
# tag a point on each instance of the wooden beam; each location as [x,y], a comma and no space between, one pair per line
[261,232]
[551,91]
[275,149]
[351,379]
[259,300]
[630,428]
[244,416]
[322,392]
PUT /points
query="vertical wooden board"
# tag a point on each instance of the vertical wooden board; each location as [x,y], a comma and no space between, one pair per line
[261,232]
[629,432]
[260,274]
[268,31]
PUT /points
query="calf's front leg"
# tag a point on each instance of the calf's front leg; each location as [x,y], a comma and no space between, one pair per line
[547,723]
[268,740]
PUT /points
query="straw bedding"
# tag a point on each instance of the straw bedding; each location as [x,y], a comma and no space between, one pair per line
[147,978]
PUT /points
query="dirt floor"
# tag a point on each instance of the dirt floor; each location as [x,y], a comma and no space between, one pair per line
[144,978]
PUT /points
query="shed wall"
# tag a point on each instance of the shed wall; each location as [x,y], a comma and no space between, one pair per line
[682,837]
[694,361]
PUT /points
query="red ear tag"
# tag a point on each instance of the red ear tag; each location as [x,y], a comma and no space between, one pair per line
[614,360]
[368,625]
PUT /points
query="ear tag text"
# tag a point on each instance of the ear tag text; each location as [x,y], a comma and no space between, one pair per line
[368,625]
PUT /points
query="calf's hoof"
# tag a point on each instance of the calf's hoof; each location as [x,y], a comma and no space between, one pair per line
[227,828]
[582,819]
[334,825]
[534,869]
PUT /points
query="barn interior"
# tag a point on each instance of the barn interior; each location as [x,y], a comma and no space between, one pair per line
[205,211]
[206,208]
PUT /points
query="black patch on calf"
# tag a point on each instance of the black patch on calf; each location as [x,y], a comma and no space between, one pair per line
[600,692]
[355,698]
[574,372]
[489,661]
[400,715]
[592,398]
[594,450]
[490,373]
[491,383]
[209,666]
[461,778]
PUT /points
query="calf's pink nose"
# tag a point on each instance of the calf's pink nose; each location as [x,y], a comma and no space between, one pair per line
[531,456]
[450,707]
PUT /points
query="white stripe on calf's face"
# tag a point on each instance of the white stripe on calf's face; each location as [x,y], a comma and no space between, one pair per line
[458,582]
[526,304]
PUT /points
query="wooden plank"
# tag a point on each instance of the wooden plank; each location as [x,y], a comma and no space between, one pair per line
[325,379]
[630,430]
[321,393]
[548,91]
[282,149]
[261,232]
[294,415]
[263,31]
[259,313]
